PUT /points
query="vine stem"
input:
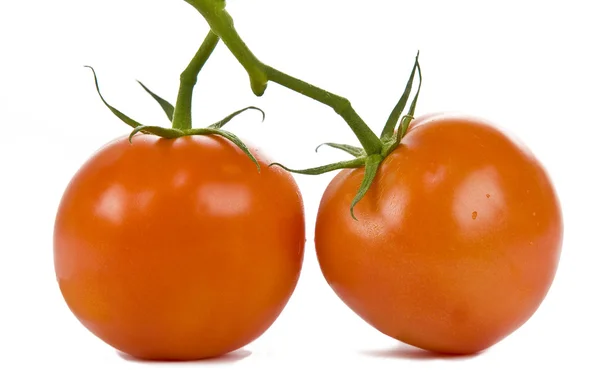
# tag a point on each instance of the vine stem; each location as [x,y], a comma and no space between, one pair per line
[221,24]
[182,116]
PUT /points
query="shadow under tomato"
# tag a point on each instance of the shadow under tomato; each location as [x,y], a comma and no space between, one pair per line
[232,357]
[404,351]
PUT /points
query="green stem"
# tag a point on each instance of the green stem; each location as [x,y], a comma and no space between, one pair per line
[340,105]
[182,116]
[221,24]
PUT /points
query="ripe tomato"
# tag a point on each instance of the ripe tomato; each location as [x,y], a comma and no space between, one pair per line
[457,241]
[178,249]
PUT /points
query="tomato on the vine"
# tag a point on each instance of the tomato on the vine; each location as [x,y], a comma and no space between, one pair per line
[457,240]
[178,248]
[443,233]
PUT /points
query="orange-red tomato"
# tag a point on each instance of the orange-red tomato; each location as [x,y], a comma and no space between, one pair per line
[456,244]
[178,249]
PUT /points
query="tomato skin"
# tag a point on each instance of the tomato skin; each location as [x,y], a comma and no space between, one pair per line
[178,249]
[456,244]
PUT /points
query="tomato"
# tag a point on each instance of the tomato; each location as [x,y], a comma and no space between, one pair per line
[457,241]
[178,249]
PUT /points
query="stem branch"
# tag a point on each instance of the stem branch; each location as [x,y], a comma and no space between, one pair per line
[182,116]
[221,24]
[340,105]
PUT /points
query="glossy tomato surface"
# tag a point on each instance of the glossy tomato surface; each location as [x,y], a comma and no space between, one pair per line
[178,249]
[456,244]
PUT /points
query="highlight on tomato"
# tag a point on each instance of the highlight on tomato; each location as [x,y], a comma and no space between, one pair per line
[179,243]
[454,237]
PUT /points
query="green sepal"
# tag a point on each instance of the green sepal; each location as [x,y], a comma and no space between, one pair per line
[352,150]
[129,121]
[164,104]
[413,106]
[224,121]
[354,163]
[156,130]
[398,135]
[170,133]
[405,122]
[229,136]
[371,167]
[390,125]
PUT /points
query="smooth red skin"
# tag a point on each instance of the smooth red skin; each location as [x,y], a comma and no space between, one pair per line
[456,244]
[178,249]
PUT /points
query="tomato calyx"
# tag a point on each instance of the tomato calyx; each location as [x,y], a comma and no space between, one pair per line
[180,115]
[172,133]
[390,139]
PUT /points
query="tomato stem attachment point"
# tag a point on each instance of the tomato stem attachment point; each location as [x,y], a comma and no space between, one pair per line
[214,129]
[181,114]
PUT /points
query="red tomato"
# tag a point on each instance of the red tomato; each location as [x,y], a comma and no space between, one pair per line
[178,249]
[456,244]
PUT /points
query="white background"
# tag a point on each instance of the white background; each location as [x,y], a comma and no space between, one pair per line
[530,66]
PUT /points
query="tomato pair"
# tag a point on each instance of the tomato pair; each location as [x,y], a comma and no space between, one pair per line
[180,249]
